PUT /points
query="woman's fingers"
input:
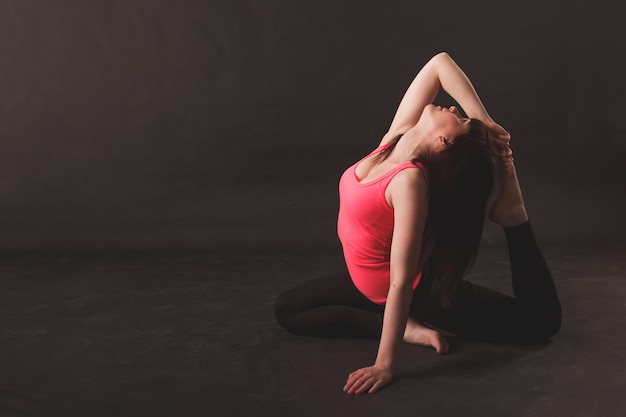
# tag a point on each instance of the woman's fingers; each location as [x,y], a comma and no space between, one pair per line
[496,129]
[501,144]
[361,385]
[369,379]
[499,137]
[352,385]
[353,381]
[364,386]
[358,382]
[503,138]
[375,387]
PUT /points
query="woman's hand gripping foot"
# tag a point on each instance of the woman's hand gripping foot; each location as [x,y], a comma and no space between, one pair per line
[508,210]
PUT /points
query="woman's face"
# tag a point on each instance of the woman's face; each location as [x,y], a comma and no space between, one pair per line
[446,122]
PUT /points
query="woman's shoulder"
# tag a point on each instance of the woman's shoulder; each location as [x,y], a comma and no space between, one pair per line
[409,176]
[408,186]
[412,174]
[422,168]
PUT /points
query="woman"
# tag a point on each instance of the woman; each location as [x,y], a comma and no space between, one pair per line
[410,220]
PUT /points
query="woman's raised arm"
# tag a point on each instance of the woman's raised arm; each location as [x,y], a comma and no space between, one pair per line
[440,72]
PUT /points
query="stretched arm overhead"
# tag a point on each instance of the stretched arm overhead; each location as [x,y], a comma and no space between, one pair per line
[440,72]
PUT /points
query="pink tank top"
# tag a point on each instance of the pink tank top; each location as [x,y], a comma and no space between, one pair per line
[365,229]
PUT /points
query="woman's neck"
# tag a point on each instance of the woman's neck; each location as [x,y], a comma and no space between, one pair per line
[410,146]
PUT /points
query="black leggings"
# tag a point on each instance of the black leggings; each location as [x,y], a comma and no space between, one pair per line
[331,306]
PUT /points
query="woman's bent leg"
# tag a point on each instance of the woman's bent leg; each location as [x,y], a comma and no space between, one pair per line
[330,306]
[533,285]
[479,313]
[534,314]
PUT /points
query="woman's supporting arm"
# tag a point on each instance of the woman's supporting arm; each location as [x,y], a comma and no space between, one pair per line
[407,193]
[440,72]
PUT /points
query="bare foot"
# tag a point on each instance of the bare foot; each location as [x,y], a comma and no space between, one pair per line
[508,210]
[417,334]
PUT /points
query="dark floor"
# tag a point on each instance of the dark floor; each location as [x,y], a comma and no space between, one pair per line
[193,335]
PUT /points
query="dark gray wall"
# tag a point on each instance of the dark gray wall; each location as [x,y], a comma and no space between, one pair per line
[192,124]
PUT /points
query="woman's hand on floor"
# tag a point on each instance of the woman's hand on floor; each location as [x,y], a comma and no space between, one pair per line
[369,379]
